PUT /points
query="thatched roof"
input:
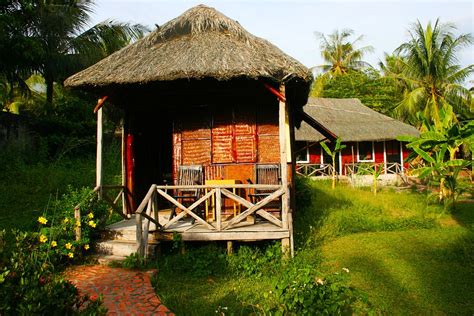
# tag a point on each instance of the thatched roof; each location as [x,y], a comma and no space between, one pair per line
[350,120]
[200,43]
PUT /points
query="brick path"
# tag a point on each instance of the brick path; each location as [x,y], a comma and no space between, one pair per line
[125,292]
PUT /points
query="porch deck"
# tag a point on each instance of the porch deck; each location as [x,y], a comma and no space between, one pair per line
[189,231]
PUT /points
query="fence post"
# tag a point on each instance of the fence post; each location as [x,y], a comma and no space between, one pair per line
[218,208]
[77,217]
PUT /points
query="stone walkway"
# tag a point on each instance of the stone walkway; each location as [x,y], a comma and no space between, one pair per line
[125,292]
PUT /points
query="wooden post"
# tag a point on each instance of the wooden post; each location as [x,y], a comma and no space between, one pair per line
[138,219]
[98,176]
[218,209]
[283,133]
[77,217]
[124,175]
[384,158]
[229,248]
[401,158]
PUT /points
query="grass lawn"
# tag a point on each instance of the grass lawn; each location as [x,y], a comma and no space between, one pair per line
[410,257]
[27,189]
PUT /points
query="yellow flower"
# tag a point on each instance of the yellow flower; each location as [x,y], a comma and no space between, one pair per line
[92,224]
[66,220]
[54,243]
[90,215]
[43,239]
[42,220]
[68,245]
[78,224]
[86,247]
[70,255]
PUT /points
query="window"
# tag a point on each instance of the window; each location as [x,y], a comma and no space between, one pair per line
[302,152]
[365,152]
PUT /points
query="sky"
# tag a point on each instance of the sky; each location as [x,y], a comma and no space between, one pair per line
[291,25]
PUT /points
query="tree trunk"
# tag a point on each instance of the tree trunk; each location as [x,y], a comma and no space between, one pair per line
[333,171]
[49,89]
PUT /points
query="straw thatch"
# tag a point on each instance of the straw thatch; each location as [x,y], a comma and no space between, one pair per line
[350,120]
[200,43]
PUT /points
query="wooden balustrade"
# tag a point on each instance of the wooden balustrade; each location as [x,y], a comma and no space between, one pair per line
[148,211]
[314,170]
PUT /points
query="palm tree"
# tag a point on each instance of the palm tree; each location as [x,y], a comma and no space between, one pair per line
[431,73]
[57,30]
[341,54]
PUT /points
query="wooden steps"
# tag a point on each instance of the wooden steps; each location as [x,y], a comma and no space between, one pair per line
[119,241]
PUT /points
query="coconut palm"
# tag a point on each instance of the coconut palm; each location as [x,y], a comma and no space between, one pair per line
[63,44]
[341,54]
[431,72]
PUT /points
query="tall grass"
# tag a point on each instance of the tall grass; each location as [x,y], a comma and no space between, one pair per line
[327,213]
[28,186]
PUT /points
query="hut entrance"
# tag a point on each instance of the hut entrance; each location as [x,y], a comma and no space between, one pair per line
[152,150]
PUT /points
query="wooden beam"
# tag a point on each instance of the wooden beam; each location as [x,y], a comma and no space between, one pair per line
[254,208]
[248,204]
[230,235]
[188,210]
[98,175]
[218,209]
[282,118]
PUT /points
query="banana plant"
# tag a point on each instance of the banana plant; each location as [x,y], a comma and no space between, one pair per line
[373,169]
[338,147]
[441,172]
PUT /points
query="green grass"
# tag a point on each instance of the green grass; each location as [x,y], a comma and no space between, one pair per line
[26,189]
[409,256]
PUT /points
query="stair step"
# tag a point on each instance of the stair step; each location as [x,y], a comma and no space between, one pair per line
[108,259]
[121,247]
[125,235]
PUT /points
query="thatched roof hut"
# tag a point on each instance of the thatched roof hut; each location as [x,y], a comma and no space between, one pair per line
[200,43]
[350,120]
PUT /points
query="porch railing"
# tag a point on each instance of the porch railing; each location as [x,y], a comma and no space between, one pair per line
[367,167]
[148,210]
[314,170]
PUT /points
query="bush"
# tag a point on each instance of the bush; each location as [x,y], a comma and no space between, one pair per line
[254,262]
[299,291]
[30,286]
[197,262]
[57,227]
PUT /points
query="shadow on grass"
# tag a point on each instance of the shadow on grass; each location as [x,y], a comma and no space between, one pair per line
[464,213]
[313,205]
[429,274]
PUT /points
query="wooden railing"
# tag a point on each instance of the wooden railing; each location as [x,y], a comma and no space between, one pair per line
[314,170]
[367,167]
[148,210]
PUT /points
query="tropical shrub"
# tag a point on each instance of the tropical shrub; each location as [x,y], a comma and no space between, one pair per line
[29,284]
[300,291]
[57,228]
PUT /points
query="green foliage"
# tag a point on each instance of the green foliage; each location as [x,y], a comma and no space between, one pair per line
[341,54]
[337,148]
[29,284]
[195,262]
[300,291]
[431,74]
[254,262]
[134,261]
[36,181]
[367,86]
[437,147]
[52,39]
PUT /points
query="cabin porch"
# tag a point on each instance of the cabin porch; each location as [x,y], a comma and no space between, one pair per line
[221,212]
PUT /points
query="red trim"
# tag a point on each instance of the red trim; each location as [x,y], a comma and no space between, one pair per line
[100,102]
[275,92]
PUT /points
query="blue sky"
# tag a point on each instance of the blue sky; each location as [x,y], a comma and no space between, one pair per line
[291,24]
